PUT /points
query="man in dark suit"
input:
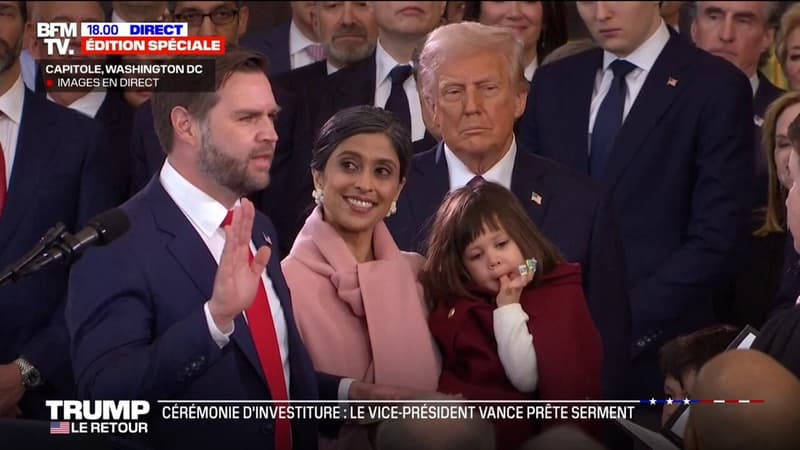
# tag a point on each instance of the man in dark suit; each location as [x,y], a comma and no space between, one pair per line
[205,18]
[177,330]
[476,91]
[202,318]
[291,45]
[55,168]
[107,107]
[676,167]
[742,33]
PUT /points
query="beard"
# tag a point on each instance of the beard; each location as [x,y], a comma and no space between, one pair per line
[226,170]
[350,53]
[9,54]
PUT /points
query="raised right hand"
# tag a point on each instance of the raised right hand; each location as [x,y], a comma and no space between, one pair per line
[236,281]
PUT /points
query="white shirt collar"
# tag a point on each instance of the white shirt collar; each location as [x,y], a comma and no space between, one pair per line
[384,63]
[331,69]
[89,104]
[297,40]
[202,210]
[499,173]
[645,56]
[11,101]
[531,69]
[754,81]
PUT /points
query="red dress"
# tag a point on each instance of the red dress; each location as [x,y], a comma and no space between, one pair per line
[568,349]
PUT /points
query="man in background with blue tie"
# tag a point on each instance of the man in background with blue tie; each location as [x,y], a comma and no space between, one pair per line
[667,130]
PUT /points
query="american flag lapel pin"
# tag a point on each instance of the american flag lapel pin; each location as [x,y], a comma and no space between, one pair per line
[672,82]
[536,198]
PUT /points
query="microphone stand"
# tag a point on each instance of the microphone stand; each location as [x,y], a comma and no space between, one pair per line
[22,267]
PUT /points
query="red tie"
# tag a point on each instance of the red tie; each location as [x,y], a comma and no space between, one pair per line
[3,189]
[259,318]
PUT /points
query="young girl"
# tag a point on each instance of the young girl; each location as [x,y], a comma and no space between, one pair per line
[506,332]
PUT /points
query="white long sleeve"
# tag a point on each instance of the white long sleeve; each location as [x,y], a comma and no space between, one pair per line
[515,346]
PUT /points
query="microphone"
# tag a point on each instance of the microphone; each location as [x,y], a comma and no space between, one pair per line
[100,230]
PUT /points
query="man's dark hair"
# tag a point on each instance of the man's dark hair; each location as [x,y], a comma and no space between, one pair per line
[690,352]
[235,59]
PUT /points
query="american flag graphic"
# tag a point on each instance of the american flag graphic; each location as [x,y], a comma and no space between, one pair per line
[59,427]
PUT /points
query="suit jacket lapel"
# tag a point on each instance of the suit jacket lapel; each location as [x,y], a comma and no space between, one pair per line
[355,85]
[431,183]
[662,87]
[576,139]
[192,255]
[36,147]
[527,183]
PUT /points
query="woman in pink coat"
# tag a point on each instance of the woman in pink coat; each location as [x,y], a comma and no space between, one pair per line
[356,298]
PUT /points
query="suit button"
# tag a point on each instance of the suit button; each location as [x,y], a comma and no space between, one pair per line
[267,428]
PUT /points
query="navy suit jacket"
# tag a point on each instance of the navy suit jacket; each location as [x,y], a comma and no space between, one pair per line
[573,214]
[60,174]
[273,43]
[148,157]
[355,85]
[116,117]
[679,174]
[138,330]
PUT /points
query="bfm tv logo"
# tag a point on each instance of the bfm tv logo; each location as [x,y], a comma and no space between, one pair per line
[52,34]
[97,416]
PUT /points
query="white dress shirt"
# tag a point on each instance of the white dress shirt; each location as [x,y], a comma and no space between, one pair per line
[10,119]
[27,65]
[384,63]
[89,104]
[459,174]
[531,69]
[206,214]
[643,58]
[754,81]
[297,44]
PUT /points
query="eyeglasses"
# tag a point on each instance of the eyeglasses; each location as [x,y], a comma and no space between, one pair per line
[218,17]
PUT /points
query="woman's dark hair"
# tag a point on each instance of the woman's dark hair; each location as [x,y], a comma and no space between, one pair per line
[690,352]
[362,119]
[554,25]
[463,216]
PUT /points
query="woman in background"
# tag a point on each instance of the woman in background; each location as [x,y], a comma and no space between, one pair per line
[540,26]
[787,46]
[777,148]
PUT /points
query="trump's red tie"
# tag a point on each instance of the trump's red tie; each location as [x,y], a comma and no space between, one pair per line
[259,318]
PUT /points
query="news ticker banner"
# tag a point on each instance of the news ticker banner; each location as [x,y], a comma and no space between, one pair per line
[132,416]
[147,53]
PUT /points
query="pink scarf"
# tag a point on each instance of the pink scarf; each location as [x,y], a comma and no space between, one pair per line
[384,295]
